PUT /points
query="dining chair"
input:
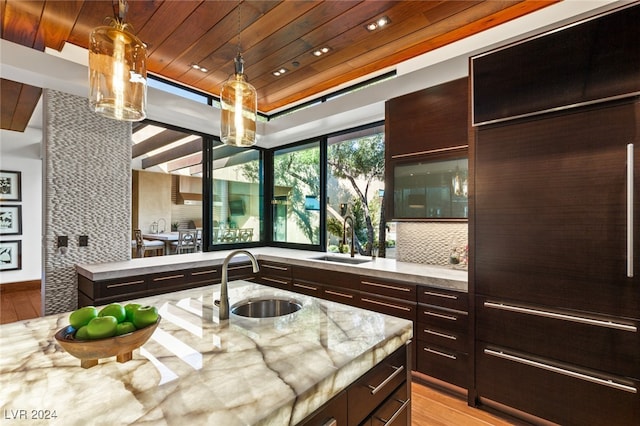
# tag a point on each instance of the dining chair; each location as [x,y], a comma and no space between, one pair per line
[142,246]
[187,241]
[245,234]
[229,235]
[198,239]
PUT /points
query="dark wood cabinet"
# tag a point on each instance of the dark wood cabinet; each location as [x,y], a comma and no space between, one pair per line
[426,136]
[275,274]
[336,286]
[442,335]
[556,313]
[102,292]
[597,59]
[380,397]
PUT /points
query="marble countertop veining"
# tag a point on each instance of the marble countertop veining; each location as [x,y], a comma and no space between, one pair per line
[196,370]
[437,276]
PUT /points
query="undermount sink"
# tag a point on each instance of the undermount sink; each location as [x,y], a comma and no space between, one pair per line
[338,259]
[266,308]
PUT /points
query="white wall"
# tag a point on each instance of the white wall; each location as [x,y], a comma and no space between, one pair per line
[23,155]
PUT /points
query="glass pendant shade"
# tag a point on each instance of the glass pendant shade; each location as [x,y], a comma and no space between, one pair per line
[117,73]
[239,105]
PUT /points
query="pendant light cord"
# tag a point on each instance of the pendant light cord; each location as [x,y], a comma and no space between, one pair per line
[239,30]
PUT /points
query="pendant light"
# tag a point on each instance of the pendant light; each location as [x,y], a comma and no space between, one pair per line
[117,69]
[239,105]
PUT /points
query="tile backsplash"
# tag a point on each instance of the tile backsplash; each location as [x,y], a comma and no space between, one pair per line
[429,243]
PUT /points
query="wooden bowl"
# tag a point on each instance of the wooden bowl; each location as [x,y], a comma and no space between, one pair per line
[90,351]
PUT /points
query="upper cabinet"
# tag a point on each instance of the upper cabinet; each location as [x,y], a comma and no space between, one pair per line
[560,69]
[426,173]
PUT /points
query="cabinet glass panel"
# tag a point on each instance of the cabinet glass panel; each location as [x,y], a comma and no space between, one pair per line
[431,189]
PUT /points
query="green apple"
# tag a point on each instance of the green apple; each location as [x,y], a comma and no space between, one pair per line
[82,316]
[115,310]
[129,308]
[144,316]
[101,327]
[81,333]
[124,328]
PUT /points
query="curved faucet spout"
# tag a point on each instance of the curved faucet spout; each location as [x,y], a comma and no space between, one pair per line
[224,291]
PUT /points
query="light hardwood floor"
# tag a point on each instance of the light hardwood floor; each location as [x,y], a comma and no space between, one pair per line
[429,407]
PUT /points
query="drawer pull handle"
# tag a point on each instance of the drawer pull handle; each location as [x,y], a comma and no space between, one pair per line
[447,317]
[555,315]
[446,296]
[437,333]
[630,188]
[235,268]
[376,389]
[392,287]
[210,271]
[279,268]
[308,287]
[433,351]
[389,305]
[330,422]
[124,284]
[396,414]
[273,280]
[170,277]
[337,293]
[563,371]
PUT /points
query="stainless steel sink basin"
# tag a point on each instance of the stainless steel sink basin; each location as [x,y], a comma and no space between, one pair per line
[338,259]
[266,308]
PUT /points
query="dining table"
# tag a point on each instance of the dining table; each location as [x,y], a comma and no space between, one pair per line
[167,237]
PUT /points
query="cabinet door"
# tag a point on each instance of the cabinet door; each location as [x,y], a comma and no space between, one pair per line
[551,210]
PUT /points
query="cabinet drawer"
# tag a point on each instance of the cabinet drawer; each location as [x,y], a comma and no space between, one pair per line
[605,343]
[394,307]
[444,319]
[240,271]
[121,287]
[317,275]
[445,298]
[376,385]
[387,288]
[558,392]
[443,338]
[340,295]
[444,364]
[307,287]
[278,282]
[394,411]
[168,281]
[334,413]
[275,268]
[205,276]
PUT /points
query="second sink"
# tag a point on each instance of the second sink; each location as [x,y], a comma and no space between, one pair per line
[338,259]
[266,308]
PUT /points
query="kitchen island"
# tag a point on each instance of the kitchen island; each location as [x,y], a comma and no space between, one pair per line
[196,369]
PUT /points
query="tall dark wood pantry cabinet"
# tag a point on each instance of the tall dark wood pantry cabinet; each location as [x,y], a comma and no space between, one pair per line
[557,309]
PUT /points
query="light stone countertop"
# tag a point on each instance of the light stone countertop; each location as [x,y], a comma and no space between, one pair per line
[195,370]
[436,276]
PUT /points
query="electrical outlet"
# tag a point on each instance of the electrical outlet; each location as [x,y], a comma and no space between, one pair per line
[83,240]
[63,241]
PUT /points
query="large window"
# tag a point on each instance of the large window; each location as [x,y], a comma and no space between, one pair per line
[237,195]
[296,194]
[355,188]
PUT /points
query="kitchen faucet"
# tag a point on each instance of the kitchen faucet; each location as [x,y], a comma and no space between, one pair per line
[344,234]
[223,308]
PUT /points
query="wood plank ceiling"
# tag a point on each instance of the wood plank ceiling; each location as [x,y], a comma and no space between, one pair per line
[272,35]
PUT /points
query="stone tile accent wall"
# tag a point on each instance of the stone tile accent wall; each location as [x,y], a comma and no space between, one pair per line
[87,191]
[429,243]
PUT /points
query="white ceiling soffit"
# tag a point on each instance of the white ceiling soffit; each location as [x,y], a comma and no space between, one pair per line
[44,70]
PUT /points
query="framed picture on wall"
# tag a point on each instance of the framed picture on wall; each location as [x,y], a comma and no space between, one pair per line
[10,255]
[10,219]
[10,186]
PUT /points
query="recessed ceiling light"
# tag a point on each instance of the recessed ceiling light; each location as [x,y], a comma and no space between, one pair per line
[279,72]
[199,68]
[321,51]
[378,23]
